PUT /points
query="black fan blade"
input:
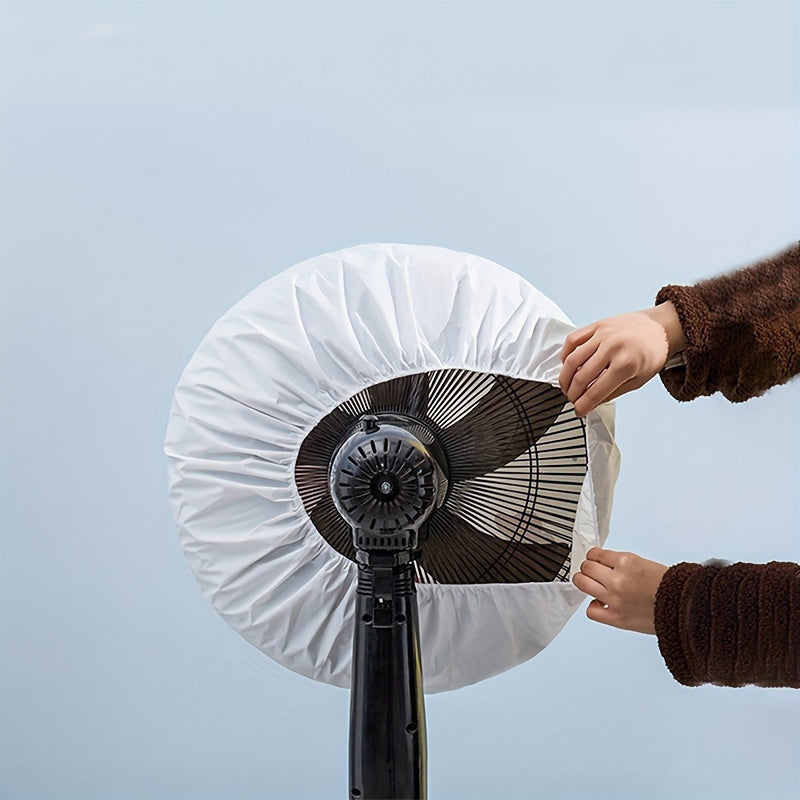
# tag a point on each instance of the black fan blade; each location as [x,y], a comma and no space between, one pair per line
[456,552]
[332,527]
[504,423]
[406,395]
[506,417]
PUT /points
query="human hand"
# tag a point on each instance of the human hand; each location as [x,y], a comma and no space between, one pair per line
[617,355]
[624,586]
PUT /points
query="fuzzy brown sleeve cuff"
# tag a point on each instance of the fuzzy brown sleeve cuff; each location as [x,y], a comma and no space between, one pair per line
[668,621]
[731,625]
[742,330]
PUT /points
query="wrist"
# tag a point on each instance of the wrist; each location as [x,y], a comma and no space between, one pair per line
[667,317]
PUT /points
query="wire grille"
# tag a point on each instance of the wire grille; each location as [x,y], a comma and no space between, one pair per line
[516,460]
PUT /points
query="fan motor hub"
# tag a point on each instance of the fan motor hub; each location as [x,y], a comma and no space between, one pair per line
[385,481]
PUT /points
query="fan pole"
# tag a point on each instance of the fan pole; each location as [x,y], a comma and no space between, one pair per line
[385,483]
[387,710]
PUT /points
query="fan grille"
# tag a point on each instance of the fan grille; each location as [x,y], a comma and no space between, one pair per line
[515,459]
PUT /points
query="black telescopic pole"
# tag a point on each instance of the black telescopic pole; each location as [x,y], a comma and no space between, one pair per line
[387,710]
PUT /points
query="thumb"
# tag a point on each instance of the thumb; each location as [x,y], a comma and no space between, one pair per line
[599,612]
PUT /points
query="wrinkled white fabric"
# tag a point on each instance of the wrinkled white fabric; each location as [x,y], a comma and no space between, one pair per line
[285,356]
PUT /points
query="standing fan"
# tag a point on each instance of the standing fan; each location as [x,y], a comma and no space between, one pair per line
[380,427]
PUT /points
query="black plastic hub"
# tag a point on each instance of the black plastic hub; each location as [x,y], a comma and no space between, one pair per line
[385,482]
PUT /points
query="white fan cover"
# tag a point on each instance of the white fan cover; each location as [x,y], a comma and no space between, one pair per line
[280,360]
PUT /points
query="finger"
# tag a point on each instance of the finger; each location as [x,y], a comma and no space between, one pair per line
[590,586]
[598,572]
[605,387]
[608,558]
[628,386]
[576,338]
[600,612]
[588,401]
[575,361]
[588,372]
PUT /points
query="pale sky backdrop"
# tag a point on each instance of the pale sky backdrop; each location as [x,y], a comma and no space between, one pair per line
[161,159]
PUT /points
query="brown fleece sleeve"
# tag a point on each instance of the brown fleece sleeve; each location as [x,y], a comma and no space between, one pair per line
[731,625]
[742,330]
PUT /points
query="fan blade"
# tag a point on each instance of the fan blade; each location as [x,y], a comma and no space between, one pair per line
[457,552]
[406,395]
[504,423]
[332,527]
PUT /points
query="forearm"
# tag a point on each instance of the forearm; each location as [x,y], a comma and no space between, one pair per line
[731,625]
[742,330]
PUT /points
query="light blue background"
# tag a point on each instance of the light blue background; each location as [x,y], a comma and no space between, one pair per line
[159,160]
